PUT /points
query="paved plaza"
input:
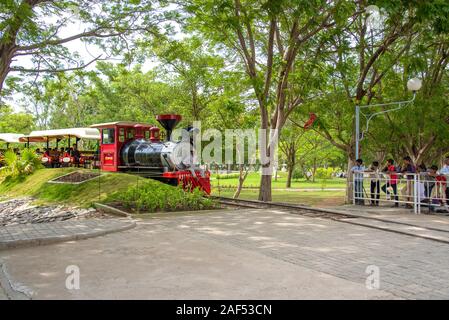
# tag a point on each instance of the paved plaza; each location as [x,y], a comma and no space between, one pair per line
[45,233]
[223,254]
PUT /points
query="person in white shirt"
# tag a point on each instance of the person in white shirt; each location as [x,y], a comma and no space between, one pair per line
[445,169]
[357,172]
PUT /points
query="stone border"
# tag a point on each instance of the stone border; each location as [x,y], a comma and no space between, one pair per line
[10,289]
[62,238]
[111,210]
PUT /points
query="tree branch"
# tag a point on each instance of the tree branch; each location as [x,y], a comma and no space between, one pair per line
[19,69]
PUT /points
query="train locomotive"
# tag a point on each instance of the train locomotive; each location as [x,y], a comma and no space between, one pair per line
[138,148]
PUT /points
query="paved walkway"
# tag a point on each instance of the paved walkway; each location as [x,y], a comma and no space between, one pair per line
[401,215]
[46,233]
[241,254]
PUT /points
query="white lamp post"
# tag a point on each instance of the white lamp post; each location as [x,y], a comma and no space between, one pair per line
[412,85]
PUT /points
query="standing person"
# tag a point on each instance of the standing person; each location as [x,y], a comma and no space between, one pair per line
[444,172]
[392,183]
[430,181]
[408,170]
[428,177]
[425,181]
[357,171]
[374,183]
[76,155]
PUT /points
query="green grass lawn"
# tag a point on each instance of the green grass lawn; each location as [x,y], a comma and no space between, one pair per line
[253,181]
[83,194]
[111,184]
[313,198]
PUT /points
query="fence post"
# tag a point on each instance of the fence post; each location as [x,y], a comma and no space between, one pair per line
[353,189]
[416,194]
[419,194]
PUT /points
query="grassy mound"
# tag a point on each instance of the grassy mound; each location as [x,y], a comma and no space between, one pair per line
[131,191]
[83,194]
[153,196]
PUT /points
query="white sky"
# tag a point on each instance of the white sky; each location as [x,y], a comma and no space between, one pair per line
[86,51]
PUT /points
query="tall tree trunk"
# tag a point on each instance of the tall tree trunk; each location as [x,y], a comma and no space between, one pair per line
[242,176]
[349,186]
[265,188]
[6,54]
[314,169]
[291,167]
[289,176]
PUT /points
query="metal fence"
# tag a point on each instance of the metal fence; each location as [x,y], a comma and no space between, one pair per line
[416,191]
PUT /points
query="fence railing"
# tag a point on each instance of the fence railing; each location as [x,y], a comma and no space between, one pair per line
[414,190]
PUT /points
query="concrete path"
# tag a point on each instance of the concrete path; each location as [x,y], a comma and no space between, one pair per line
[157,260]
[46,233]
[400,215]
[239,254]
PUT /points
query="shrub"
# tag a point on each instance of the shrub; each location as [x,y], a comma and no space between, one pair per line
[227,176]
[297,174]
[153,196]
[19,166]
[324,173]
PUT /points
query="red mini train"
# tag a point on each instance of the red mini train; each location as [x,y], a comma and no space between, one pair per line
[138,148]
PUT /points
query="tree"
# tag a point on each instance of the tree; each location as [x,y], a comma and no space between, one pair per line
[307,149]
[360,57]
[193,72]
[269,38]
[33,29]
[288,145]
[227,111]
[15,122]
[122,93]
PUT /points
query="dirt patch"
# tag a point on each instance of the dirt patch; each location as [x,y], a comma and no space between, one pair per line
[76,177]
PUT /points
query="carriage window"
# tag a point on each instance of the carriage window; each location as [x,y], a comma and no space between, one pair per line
[108,136]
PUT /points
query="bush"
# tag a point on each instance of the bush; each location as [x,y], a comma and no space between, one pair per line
[153,196]
[324,173]
[20,166]
[297,174]
[227,176]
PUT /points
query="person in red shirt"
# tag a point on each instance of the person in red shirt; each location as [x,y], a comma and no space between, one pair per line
[390,169]
[441,185]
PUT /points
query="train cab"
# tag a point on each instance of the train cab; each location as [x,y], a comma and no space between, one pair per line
[114,135]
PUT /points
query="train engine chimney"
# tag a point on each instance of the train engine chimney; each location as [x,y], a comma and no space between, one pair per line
[169,122]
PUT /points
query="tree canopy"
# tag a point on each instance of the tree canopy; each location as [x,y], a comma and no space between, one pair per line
[235,64]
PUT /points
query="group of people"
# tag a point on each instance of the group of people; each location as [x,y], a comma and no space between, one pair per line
[428,178]
[56,155]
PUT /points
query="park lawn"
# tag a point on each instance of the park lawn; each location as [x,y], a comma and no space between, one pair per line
[312,198]
[82,195]
[253,181]
[109,185]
